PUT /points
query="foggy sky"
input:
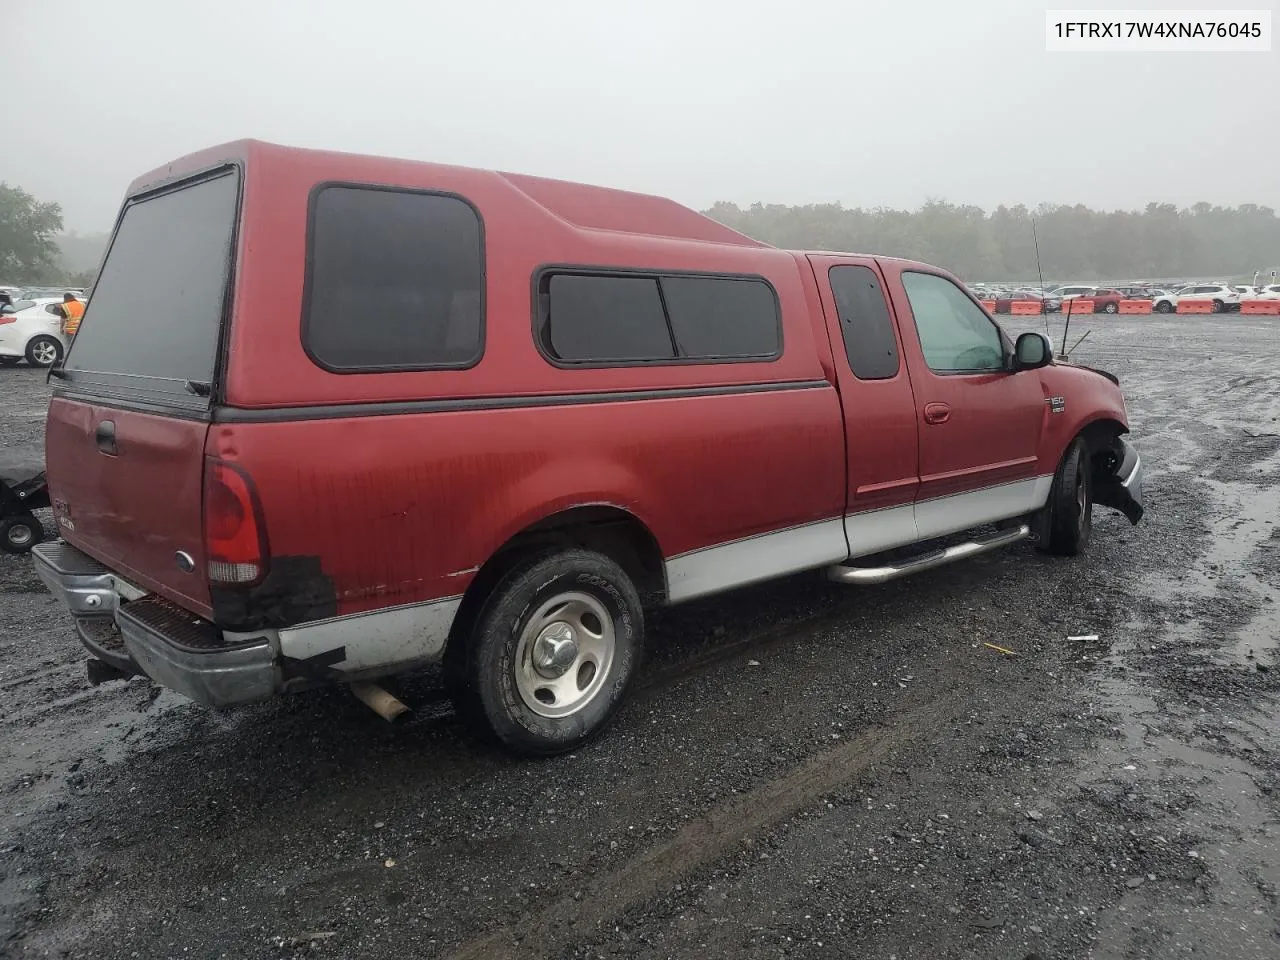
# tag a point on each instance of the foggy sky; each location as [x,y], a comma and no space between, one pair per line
[788,101]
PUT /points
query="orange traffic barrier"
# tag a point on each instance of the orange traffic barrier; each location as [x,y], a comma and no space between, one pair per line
[1261,307]
[1077,306]
[988,305]
[1135,306]
[1195,306]
[1025,307]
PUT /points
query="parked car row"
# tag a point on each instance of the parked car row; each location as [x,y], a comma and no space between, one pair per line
[9,294]
[1224,297]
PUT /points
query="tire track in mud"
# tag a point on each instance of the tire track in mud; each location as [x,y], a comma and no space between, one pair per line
[715,835]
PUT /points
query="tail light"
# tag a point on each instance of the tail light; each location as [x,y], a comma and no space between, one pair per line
[235,537]
[8,318]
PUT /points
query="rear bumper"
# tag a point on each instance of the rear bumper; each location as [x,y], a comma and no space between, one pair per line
[152,636]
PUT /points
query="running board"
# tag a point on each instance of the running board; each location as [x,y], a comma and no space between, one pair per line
[843,573]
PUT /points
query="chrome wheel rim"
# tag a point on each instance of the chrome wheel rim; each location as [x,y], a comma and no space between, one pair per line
[20,535]
[44,353]
[564,655]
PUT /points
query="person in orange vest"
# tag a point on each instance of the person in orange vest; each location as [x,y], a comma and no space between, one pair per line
[72,310]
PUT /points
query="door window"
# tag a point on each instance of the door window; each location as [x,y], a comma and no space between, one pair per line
[869,342]
[955,335]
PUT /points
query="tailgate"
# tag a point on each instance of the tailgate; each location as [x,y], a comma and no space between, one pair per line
[125,436]
[126,489]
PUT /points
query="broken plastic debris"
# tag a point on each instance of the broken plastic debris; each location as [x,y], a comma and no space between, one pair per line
[389,863]
[1003,650]
[753,663]
[1084,638]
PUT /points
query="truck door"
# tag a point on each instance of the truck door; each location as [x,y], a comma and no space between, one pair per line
[879,408]
[980,424]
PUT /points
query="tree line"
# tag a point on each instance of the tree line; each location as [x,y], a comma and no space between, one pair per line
[1076,242]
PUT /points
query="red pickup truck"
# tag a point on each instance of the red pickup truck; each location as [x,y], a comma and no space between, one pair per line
[392,413]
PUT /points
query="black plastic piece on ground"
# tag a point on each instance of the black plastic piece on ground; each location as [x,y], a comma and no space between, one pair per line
[99,672]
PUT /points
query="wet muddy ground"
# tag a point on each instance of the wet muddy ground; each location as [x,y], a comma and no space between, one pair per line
[807,770]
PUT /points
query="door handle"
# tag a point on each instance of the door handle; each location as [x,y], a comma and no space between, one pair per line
[105,435]
[936,413]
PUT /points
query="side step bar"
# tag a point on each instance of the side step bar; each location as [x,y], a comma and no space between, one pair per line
[843,573]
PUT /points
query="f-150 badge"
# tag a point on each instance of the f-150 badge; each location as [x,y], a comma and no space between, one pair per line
[1056,404]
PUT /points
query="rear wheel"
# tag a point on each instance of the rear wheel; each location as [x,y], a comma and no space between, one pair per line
[1164,306]
[1067,520]
[1218,306]
[1111,308]
[553,652]
[43,351]
[20,533]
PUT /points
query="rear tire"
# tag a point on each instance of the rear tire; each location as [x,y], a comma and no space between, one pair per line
[1067,520]
[1164,306]
[20,533]
[1111,308]
[43,351]
[554,649]
[1218,306]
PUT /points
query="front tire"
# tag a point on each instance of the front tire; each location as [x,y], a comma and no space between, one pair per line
[20,533]
[553,652]
[1111,308]
[1067,521]
[43,351]
[1218,306]
[1164,306]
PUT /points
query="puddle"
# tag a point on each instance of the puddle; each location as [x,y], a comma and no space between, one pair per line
[1203,816]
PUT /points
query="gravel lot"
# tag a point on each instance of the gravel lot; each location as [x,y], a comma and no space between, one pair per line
[807,770]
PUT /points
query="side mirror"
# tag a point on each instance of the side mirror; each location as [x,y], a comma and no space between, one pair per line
[1032,351]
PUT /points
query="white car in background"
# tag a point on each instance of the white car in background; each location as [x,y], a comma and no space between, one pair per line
[1053,300]
[1269,292]
[1223,297]
[32,330]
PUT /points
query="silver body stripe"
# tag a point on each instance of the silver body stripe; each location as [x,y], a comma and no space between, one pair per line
[763,557]
[741,562]
[393,637]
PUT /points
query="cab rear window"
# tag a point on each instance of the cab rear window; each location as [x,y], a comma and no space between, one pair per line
[177,246]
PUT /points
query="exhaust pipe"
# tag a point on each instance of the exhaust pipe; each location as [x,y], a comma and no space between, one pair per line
[379,700]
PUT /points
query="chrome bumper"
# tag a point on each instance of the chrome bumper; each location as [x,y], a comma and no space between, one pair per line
[173,647]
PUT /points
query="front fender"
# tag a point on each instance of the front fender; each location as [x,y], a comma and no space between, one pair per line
[1076,397]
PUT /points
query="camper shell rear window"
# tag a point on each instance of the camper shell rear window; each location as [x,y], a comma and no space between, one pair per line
[178,245]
